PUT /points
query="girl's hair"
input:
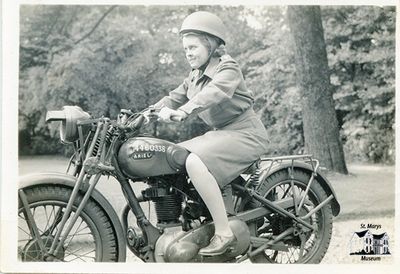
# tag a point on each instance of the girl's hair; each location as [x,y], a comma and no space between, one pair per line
[211,42]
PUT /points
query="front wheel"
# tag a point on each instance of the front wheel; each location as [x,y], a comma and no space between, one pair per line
[92,238]
[304,247]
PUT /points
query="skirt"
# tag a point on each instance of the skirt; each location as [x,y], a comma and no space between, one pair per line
[227,152]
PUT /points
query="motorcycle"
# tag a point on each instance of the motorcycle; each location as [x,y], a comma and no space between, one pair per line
[280,209]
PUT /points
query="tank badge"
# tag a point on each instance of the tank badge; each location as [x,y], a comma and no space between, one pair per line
[141,155]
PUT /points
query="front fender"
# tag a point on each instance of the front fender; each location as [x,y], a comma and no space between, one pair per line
[69,181]
[307,168]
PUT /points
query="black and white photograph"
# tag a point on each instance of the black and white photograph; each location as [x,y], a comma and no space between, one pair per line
[227,137]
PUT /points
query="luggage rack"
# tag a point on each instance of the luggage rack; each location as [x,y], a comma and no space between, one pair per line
[307,158]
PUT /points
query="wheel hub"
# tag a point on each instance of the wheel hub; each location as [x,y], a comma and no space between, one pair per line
[280,224]
[32,252]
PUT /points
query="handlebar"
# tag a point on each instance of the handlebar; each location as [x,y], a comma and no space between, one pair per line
[129,120]
[154,112]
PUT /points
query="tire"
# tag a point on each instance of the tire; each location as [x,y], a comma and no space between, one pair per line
[92,238]
[315,242]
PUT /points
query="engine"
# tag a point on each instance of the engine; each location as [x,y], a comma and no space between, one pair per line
[172,207]
[167,201]
[176,245]
[184,222]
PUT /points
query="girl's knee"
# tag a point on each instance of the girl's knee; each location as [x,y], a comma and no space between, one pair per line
[193,163]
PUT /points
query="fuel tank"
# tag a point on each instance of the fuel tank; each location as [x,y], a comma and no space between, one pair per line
[148,156]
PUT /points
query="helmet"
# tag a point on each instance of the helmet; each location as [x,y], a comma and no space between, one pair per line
[205,22]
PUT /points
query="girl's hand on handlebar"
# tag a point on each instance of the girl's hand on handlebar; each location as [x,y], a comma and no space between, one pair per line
[169,115]
[179,116]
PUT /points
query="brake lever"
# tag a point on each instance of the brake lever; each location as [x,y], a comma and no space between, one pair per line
[146,118]
[150,113]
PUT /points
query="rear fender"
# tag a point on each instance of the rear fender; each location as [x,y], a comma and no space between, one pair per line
[68,181]
[266,172]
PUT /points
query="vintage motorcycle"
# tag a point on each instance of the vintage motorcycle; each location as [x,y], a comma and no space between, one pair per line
[280,210]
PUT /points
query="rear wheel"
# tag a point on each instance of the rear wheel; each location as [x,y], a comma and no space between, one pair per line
[299,247]
[92,238]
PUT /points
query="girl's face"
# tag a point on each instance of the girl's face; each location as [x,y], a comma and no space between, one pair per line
[196,52]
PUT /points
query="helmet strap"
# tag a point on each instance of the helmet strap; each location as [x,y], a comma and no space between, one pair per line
[210,55]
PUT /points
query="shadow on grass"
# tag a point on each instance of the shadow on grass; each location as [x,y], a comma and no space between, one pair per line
[389,213]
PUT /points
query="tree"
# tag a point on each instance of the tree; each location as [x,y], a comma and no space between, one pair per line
[361,55]
[321,132]
[49,34]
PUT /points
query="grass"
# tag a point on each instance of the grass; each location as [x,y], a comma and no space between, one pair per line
[368,190]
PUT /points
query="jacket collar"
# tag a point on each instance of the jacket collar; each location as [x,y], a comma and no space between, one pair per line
[209,70]
[211,67]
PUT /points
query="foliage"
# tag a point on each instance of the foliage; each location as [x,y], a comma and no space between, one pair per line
[270,74]
[361,57]
[104,58]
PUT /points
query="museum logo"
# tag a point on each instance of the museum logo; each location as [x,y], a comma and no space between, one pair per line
[368,245]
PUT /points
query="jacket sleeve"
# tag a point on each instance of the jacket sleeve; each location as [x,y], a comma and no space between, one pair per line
[176,97]
[222,87]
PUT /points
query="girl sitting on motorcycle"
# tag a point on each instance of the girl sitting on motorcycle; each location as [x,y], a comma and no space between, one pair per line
[216,91]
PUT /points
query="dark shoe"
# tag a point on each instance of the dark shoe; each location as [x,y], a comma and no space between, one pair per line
[218,245]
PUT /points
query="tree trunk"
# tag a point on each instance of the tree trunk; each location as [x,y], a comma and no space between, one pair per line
[321,132]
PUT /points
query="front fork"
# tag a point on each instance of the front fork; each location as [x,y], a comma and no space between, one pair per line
[86,176]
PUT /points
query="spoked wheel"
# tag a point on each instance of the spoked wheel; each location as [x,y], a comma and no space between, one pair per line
[301,246]
[92,237]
